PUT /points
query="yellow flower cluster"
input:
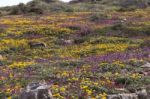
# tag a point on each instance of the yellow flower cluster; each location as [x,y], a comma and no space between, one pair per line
[12,43]
[119,64]
[103,96]
[89,49]
[20,64]
[20,21]
[135,76]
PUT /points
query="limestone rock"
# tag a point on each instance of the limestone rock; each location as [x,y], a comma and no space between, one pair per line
[128,96]
[1,57]
[142,94]
[36,91]
[147,65]
[113,97]
[123,96]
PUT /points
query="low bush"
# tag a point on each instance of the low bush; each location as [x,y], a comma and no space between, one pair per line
[123,80]
[98,17]
[110,67]
[1,30]
[122,9]
[136,3]
[20,9]
[146,43]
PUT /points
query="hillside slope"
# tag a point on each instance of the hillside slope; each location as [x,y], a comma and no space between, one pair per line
[86,54]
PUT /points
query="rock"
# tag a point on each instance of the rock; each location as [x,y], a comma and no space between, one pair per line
[142,94]
[36,44]
[128,96]
[121,90]
[65,42]
[36,91]
[147,65]
[1,57]
[113,97]
[123,96]
[68,42]
[144,73]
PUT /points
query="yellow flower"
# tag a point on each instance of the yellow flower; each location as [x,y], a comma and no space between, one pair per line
[58,96]
[64,74]
[20,64]
[103,96]
[135,76]
[11,75]
[116,74]
[8,91]
[96,83]
[84,87]
[89,92]
[75,79]
[62,89]
[9,97]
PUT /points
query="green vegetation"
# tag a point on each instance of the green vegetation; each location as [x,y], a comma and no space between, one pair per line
[83,49]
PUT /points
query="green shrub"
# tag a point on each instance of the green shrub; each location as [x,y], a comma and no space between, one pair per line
[100,89]
[2,95]
[110,67]
[1,14]
[136,3]
[19,9]
[70,63]
[123,80]
[119,26]
[98,17]
[36,10]
[146,80]
[80,40]
[15,10]
[146,43]
[122,9]
[60,7]
[1,30]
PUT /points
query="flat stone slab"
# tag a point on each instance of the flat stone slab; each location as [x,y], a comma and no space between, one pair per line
[142,94]
[147,65]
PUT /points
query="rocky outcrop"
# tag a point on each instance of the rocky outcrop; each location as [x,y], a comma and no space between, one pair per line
[147,65]
[123,96]
[142,94]
[36,91]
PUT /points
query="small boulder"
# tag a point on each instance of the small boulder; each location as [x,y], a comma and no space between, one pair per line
[1,57]
[128,96]
[123,96]
[142,94]
[68,41]
[36,44]
[113,97]
[36,91]
[147,65]
[65,42]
